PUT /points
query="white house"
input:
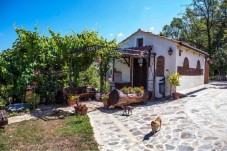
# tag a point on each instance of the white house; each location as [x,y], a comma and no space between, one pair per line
[146,57]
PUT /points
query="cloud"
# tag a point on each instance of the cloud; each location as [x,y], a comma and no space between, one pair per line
[147,8]
[151,28]
[120,34]
[111,35]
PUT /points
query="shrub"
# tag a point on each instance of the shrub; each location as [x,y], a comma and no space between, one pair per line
[131,90]
[125,90]
[81,109]
[174,79]
[2,103]
[137,90]
[75,97]
[105,97]
[33,99]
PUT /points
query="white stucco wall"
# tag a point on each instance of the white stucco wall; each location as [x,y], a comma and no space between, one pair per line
[123,68]
[161,47]
[190,81]
[192,57]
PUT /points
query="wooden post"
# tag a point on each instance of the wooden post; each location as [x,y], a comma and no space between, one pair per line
[154,78]
[113,70]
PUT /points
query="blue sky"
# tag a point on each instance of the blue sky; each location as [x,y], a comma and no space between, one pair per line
[111,18]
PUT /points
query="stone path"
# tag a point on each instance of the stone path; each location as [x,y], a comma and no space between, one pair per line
[196,122]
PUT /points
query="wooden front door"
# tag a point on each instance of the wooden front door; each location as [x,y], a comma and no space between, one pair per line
[206,72]
[139,73]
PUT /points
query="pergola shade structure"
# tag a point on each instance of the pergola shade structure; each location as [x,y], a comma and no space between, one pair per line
[144,52]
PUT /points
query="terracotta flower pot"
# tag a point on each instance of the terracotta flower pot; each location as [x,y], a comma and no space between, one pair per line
[176,95]
[71,102]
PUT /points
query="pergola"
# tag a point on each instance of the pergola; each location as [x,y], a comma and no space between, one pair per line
[126,52]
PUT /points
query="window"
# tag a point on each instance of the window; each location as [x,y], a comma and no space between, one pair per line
[198,66]
[186,63]
[139,42]
[160,66]
[180,51]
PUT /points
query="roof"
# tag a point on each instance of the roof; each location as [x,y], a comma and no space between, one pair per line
[136,51]
[193,48]
[142,48]
[169,39]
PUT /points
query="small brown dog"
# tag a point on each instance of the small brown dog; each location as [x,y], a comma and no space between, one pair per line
[157,123]
[127,109]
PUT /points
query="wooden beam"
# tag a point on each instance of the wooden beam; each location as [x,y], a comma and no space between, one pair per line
[131,66]
[128,62]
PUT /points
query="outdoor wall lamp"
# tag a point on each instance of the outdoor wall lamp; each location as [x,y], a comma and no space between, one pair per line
[140,61]
[170,51]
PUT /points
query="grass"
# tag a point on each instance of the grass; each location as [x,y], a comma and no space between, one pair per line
[73,133]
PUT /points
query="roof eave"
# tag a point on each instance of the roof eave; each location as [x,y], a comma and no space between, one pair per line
[193,48]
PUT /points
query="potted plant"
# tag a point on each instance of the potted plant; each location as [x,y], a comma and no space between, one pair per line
[138,91]
[131,90]
[72,99]
[125,90]
[174,80]
[80,108]
[105,98]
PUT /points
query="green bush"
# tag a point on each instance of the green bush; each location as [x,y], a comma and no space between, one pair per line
[90,77]
[174,79]
[2,103]
[137,90]
[33,100]
[130,90]
[27,111]
[212,77]
[105,97]
[125,90]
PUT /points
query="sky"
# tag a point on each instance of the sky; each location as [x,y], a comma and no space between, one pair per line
[110,18]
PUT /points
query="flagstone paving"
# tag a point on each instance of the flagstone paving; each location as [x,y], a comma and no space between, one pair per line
[196,122]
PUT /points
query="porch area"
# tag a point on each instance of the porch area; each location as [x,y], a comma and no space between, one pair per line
[134,69]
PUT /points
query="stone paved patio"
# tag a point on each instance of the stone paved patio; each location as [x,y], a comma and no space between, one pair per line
[196,122]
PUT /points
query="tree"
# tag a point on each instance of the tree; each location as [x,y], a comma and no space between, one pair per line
[204,25]
[44,62]
[174,29]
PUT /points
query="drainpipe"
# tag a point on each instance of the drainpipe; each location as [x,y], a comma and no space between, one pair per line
[154,78]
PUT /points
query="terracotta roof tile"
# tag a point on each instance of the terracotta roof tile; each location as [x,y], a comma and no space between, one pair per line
[166,38]
[143,48]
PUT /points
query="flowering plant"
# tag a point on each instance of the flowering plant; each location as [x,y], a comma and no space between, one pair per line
[72,99]
[131,90]
[81,108]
